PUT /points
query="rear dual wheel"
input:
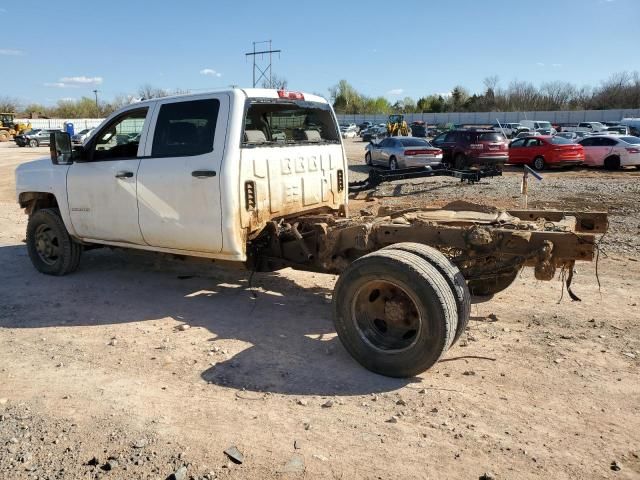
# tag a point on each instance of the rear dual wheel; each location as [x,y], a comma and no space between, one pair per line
[450,273]
[394,312]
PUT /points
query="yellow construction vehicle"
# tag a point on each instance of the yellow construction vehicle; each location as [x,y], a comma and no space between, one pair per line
[397,126]
[8,127]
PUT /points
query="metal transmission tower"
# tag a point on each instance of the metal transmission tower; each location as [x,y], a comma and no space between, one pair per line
[261,67]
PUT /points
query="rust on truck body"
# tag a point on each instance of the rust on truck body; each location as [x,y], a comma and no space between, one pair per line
[487,245]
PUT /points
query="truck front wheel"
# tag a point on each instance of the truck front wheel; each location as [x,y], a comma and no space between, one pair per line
[51,249]
[394,313]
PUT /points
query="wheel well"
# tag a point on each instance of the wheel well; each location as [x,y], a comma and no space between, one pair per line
[612,158]
[32,201]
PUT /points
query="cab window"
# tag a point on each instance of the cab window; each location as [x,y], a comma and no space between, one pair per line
[185,129]
[121,138]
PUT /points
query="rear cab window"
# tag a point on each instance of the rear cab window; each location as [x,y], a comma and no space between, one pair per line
[271,122]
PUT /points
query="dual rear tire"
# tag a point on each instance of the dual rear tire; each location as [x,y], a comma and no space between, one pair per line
[399,309]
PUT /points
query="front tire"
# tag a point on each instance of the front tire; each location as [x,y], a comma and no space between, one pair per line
[367,158]
[51,250]
[394,313]
[539,163]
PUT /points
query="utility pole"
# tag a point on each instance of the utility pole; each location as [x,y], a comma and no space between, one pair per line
[96,94]
[261,67]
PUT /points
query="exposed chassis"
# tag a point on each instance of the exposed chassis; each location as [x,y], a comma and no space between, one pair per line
[488,246]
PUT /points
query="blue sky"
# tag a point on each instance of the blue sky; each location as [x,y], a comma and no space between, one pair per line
[66,49]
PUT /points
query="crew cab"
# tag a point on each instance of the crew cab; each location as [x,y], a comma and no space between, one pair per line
[195,175]
[258,178]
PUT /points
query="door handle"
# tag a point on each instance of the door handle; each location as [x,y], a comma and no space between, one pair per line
[124,174]
[203,173]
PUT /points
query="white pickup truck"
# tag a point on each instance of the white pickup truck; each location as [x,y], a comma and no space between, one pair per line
[587,127]
[259,178]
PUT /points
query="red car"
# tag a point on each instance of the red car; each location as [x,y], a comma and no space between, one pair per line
[544,151]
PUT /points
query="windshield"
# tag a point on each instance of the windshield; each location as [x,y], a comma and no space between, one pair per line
[561,141]
[290,123]
[414,142]
[632,140]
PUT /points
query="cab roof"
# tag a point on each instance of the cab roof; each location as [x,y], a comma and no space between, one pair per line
[247,92]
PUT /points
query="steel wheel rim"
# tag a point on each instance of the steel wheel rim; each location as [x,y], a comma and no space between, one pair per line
[47,244]
[386,316]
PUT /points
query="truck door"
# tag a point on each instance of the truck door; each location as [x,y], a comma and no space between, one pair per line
[179,179]
[101,186]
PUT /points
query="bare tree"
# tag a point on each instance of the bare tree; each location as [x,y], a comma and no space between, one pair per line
[147,91]
[9,105]
[491,82]
[277,82]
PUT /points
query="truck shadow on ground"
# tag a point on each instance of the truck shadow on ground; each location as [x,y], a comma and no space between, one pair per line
[293,347]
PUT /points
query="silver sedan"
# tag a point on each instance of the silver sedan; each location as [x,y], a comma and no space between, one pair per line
[402,152]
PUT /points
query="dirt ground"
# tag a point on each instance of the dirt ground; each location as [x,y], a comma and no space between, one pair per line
[135,366]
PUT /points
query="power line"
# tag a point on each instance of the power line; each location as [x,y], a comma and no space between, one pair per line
[263,69]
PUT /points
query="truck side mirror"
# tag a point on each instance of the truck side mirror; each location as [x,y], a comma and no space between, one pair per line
[60,148]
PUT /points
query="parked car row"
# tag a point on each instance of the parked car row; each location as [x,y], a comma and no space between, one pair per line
[463,149]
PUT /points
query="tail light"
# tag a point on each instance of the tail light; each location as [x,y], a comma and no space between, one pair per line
[632,150]
[433,151]
[290,95]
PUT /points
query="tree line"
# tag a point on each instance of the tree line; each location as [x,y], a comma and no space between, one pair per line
[621,90]
[84,107]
